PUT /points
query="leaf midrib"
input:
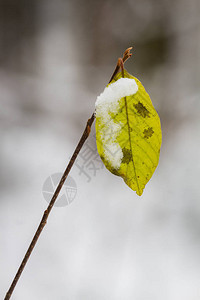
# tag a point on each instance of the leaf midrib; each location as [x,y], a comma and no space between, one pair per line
[129,133]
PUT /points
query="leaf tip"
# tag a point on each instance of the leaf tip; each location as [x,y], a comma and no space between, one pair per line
[139,193]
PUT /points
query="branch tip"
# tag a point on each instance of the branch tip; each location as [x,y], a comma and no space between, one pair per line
[127,51]
[127,54]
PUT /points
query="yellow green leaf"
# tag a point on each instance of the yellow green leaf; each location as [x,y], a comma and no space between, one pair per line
[128,131]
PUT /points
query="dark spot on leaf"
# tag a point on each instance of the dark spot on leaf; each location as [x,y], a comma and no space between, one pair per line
[148,132]
[114,171]
[138,176]
[127,157]
[131,129]
[141,110]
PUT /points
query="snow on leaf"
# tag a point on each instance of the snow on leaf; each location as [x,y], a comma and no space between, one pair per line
[128,131]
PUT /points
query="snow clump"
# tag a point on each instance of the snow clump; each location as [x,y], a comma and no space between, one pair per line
[106,103]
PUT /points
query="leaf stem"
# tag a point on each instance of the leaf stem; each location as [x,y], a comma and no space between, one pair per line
[46,213]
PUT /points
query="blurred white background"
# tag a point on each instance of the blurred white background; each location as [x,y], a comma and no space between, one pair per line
[55,58]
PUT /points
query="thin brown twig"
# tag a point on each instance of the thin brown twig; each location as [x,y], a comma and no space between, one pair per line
[50,206]
[46,213]
[126,56]
[121,66]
